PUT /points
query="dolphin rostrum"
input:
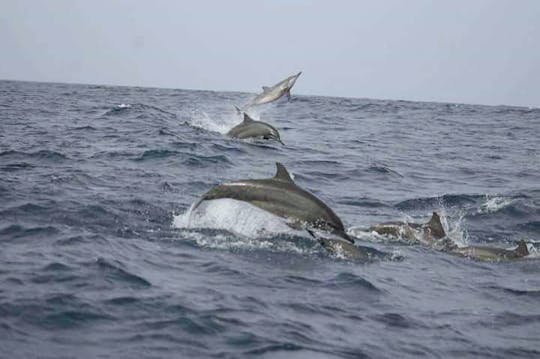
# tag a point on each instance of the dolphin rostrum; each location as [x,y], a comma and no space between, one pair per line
[249,128]
[280,196]
[272,93]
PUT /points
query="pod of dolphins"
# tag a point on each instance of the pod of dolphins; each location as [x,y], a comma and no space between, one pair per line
[281,196]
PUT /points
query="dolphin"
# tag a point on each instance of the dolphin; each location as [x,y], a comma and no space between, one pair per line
[347,250]
[485,253]
[280,196]
[432,234]
[250,128]
[425,233]
[272,93]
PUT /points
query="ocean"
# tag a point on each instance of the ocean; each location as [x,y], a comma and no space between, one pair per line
[101,256]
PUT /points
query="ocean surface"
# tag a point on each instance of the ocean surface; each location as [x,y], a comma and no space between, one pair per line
[100,255]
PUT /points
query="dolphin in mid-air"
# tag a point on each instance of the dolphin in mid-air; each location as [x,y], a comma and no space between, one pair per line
[273,93]
[249,128]
[280,196]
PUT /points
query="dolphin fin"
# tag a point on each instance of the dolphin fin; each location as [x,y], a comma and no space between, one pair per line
[282,174]
[247,119]
[436,226]
[238,110]
[522,249]
[288,94]
[265,88]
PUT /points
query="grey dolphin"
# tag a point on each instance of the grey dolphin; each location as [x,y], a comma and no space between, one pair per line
[485,253]
[279,195]
[249,128]
[272,93]
[425,233]
[432,234]
[348,250]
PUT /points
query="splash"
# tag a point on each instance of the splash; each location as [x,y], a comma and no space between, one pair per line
[237,217]
[453,225]
[494,204]
[241,226]
[221,122]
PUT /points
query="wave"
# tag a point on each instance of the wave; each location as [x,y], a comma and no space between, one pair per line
[40,155]
[494,204]
[16,231]
[116,273]
[447,200]
[137,108]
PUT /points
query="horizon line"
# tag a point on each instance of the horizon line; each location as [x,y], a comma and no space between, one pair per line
[529,107]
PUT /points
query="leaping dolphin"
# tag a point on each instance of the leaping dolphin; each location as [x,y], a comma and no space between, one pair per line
[273,93]
[249,128]
[279,195]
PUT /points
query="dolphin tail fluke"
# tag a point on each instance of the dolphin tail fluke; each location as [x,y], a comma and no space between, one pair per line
[522,249]
[436,227]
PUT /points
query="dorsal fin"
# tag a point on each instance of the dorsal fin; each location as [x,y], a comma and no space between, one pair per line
[522,249]
[282,174]
[436,226]
[247,119]
[265,88]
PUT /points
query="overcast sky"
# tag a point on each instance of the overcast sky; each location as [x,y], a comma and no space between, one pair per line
[472,51]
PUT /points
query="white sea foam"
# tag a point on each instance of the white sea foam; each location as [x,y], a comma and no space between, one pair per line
[494,204]
[453,226]
[251,227]
[218,123]
[233,216]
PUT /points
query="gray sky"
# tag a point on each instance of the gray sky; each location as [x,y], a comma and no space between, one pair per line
[472,51]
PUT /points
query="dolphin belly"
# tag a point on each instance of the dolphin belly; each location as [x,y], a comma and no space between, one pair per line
[293,204]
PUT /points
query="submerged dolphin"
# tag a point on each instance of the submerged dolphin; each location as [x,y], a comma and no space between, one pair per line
[272,93]
[279,195]
[432,234]
[490,253]
[249,128]
[425,233]
[348,250]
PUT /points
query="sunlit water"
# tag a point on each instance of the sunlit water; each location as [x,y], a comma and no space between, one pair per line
[101,255]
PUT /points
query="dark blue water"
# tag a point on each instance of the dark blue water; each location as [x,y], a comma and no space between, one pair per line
[100,258]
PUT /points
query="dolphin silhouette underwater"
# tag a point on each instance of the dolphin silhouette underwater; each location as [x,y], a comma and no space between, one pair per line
[249,128]
[281,196]
[273,93]
[433,234]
